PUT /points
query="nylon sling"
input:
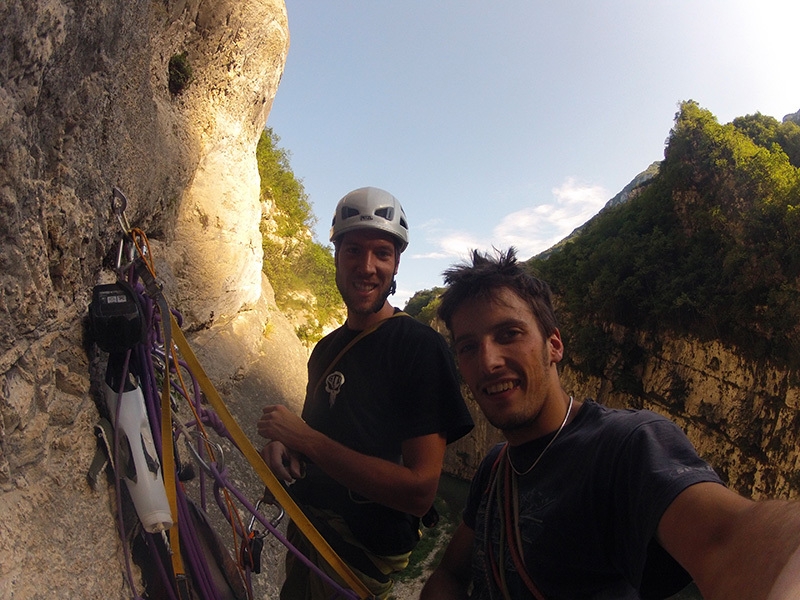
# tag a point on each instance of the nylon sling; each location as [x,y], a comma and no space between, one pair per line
[267,477]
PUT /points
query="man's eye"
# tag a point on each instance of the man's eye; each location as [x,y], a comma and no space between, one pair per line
[509,335]
[465,349]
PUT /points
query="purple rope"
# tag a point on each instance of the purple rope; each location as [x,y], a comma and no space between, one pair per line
[191,546]
[222,481]
[165,577]
[223,507]
[193,549]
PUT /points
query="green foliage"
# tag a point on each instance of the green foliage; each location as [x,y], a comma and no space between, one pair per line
[281,187]
[767,131]
[180,73]
[428,313]
[709,247]
[299,268]
[423,305]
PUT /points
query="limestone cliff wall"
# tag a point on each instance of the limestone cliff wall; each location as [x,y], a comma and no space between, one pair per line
[742,416]
[84,106]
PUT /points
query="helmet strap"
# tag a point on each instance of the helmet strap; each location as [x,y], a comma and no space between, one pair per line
[392,290]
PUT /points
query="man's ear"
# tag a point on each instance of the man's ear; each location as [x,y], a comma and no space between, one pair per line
[556,346]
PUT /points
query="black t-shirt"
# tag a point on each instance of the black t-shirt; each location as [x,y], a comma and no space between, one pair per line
[590,508]
[396,383]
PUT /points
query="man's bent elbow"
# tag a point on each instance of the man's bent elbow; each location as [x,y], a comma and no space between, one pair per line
[422,502]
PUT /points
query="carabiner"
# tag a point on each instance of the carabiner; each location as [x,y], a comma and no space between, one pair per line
[253,519]
[275,520]
[219,457]
[118,205]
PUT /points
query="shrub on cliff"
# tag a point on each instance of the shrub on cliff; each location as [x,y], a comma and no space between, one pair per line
[300,269]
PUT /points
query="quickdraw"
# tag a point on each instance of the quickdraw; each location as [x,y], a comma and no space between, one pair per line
[162,358]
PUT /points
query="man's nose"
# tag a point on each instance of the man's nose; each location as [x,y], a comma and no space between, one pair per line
[491,357]
[366,264]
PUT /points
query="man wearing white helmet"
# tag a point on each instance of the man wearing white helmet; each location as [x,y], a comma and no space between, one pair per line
[382,402]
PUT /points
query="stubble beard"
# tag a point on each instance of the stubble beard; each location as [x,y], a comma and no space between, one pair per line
[519,422]
[363,310]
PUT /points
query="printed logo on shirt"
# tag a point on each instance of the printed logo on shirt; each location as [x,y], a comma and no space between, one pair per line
[333,385]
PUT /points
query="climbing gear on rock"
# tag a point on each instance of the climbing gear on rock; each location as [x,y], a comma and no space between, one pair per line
[139,462]
[157,394]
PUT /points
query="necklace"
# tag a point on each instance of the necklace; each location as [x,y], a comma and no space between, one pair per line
[546,448]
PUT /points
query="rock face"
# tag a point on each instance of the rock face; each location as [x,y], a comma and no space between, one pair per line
[742,416]
[84,106]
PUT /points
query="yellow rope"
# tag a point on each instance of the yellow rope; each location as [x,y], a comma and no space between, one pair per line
[280,494]
[257,462]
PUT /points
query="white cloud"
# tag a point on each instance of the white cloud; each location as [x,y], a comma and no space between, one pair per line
[532,229]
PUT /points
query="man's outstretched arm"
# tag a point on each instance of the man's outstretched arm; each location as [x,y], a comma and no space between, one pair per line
[734,547]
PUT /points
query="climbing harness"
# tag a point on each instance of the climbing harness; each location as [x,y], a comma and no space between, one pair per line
[158,395]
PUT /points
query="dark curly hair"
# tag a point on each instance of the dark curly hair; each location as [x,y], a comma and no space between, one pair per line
[485,276]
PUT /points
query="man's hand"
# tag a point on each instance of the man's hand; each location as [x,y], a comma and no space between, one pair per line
[287,432]
[278,423]
[408,487]
[284,463]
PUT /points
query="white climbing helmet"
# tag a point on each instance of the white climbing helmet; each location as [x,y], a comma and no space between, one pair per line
[370,208]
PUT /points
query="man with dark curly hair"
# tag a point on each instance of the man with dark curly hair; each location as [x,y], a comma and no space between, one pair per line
[583,501]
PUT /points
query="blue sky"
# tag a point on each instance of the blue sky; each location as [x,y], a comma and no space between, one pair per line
[512,122]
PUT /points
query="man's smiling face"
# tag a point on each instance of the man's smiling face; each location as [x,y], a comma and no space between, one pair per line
[508,364]
[366,263]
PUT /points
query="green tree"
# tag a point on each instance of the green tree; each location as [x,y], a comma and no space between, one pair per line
[423,301]
[708,247]
[280,187]
[767,131]
[300,269]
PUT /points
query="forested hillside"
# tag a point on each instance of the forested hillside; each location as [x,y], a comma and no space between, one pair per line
[684,298]
[300,269]
[708,247]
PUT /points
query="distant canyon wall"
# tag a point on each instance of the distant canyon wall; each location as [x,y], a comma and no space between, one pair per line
[742,416]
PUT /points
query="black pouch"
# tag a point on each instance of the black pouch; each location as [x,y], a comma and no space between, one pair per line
[382,530]
[116,317]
